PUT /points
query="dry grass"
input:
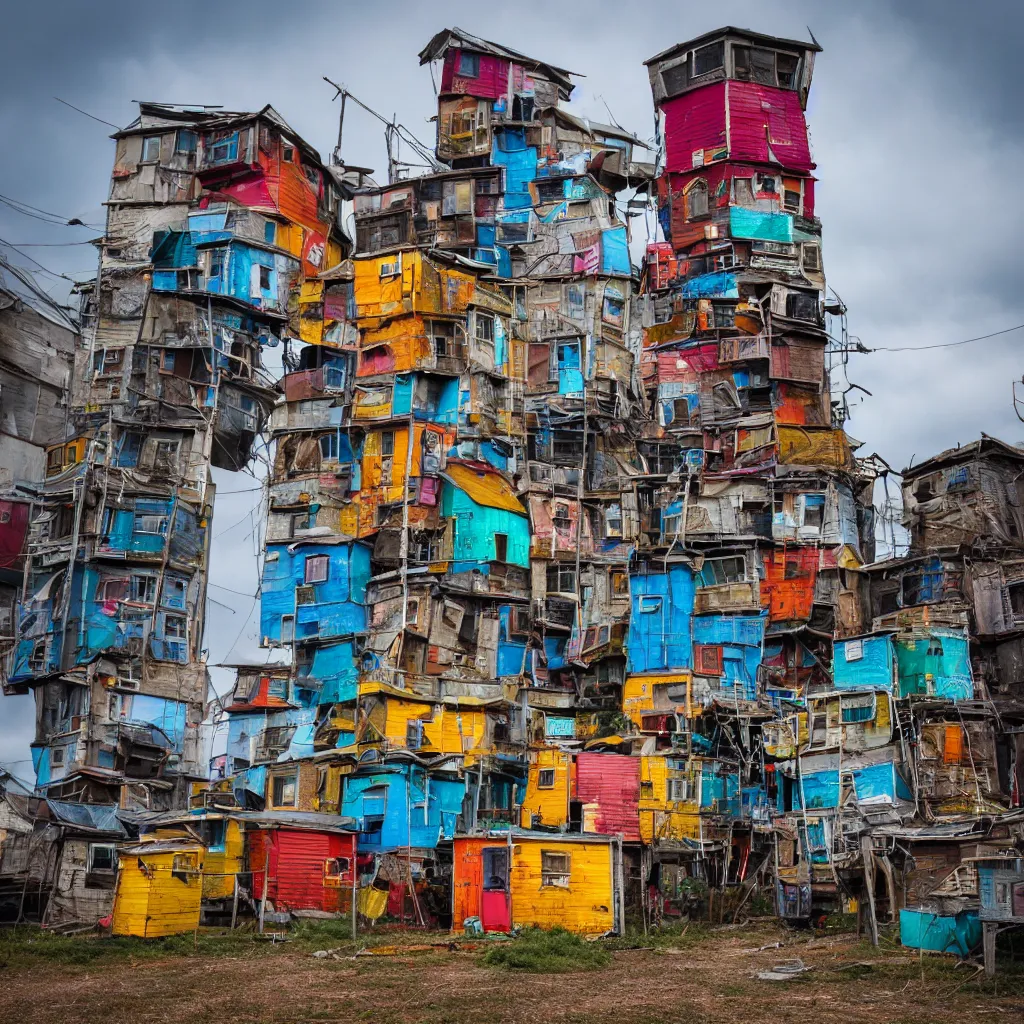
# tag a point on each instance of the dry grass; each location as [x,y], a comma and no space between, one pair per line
[699,978]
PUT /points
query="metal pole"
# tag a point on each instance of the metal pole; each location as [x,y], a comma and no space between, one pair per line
[234,905]
[355,876]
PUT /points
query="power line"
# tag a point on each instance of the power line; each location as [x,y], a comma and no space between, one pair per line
[45,270]
[87,114]
[947,344]
[46,216]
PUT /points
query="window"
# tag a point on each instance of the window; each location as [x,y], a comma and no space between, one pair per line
[102,857]
[335,869]
[317,568]
[185,142]
[151,149]
[561,579]
[264,279]
[718,571]
[708,58]
[785,70]
[414,734]
[184,867]
[618,581]
[387,443]
[484,329]
[174,627]
[286,790]
[791,200]
[811,257]
[151,524]
[677,789]
[167,452]
[469,64]
[57,756]
[112,590]
[853,650]
[554,868]
[742,192]
[613,520]
[495,868]
[697,200]
[858,709]
[546,778]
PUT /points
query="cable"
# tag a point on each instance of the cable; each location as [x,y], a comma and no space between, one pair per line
[45,270]
[87,114]
[947,344]
[47,216]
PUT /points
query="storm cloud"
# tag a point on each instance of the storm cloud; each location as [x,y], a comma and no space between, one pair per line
[916,126]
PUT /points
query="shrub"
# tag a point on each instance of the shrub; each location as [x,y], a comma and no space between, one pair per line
[539,951]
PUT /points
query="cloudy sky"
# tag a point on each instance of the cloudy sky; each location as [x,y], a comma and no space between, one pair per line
[915,117]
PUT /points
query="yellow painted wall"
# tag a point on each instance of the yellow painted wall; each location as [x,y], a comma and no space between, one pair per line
[661,818]
[585,906]
[407,339]
[150,901]
[552,805]
[219,866]
[460,730]
[647,694]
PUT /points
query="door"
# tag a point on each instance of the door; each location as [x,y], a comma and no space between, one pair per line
[494,900]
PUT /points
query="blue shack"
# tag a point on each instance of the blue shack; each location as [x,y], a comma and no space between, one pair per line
[661,623]
[313,591]
[402,803]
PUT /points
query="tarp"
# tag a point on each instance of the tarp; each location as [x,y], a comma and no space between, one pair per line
[485,488]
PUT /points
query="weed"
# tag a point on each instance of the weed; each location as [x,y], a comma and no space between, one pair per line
[538,951]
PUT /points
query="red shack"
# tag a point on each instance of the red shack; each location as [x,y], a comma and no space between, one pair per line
[608,787]
[308,859]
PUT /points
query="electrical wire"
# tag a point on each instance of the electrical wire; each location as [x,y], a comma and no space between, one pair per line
[946,344]
[47,216]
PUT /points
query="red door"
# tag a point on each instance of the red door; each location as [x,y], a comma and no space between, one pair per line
[494,908]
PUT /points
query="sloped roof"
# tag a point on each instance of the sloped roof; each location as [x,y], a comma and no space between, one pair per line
[449,37]
[485,487]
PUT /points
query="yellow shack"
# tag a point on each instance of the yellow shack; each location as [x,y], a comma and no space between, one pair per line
[159,888]
[522,877]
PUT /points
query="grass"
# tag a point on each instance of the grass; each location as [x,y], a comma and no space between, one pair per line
[536,951]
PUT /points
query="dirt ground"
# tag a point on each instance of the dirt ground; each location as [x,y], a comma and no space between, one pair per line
[701,979]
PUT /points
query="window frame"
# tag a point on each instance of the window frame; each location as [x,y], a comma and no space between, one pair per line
[545,778]
[555,876]
[147,141]
[312,567]
[279,787]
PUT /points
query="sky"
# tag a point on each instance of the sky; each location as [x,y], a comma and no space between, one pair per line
[916,127]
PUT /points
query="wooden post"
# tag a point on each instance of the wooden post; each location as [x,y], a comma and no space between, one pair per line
[868,857]
[266,883]
[234,904]
[988,941]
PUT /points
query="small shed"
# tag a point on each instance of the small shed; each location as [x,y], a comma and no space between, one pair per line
[159,888]
[1001,890]
[308,859]
[546,879]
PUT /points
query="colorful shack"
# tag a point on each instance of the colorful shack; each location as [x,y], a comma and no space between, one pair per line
[308,860]
[519,877]
[159,888]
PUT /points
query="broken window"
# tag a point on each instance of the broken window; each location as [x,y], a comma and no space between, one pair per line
[151,149]
[742,192]
[185,142]
[858,709]
[286,790]
[317,567]
[618,583]
[151,524]
[708,58]
[484,329]
[718,571]
[554,868]
[264,279]
[184,867]
[335,868]
[1016,594]
[697,200]
[174,627]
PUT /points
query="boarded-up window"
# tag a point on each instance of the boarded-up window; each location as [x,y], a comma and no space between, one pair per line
[317,567]
[554,868]
[707,659]
[697,200]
